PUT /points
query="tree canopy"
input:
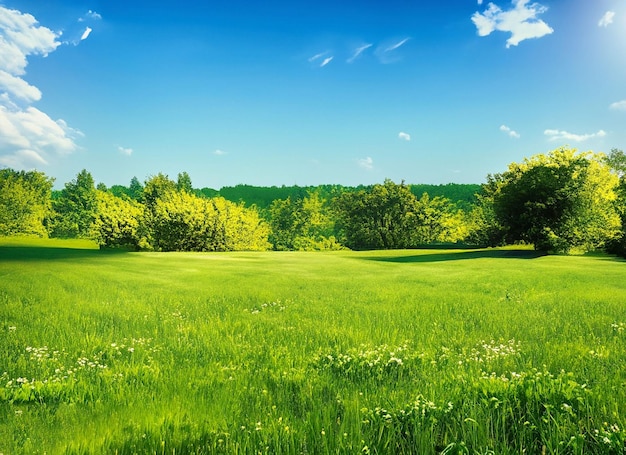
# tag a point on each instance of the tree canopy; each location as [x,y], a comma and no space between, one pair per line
[563,201]
[560,201]
[25,202]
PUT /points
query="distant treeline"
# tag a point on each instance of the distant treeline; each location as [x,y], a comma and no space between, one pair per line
[563,201]
[463,195]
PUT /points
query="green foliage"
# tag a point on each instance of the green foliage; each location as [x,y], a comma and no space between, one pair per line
[261,197]
[438,221]
[75,209]
[135,189]
[302,224]
[483,226]
[559,202]
[180,221]
[462,195]
[24,202]
[389,216]
[381,218]
[183,183]
[117,222]
[156,187]
[616,160]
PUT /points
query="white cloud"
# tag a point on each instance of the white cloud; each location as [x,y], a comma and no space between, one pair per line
[521,21]
[82,29]
[317,56]
[619,105]
[93,15]
[124,150]
[326,61]
[358,51]
[395,46]
[366,163]
[28,136]
[18,87]
[404,136]
[321,55]
[387,52]
[509,131]
[219,152]
[558,135]
[607,19]
[86,33]
[21,36]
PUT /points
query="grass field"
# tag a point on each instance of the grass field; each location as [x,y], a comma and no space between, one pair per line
[426,351]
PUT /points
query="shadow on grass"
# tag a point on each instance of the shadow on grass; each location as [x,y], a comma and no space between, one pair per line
[51,253]
[460,255]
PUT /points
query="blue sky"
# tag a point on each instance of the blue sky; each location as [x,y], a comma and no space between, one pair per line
[306,92]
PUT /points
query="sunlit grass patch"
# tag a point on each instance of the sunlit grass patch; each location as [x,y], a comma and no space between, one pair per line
[485,352]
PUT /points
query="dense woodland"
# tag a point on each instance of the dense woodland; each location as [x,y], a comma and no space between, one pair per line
[564,201]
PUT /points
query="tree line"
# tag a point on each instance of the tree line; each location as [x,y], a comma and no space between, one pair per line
[563,201]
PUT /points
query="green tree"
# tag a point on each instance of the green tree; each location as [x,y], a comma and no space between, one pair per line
[181,221]
[135,189]
[75,209]
[302,224]
[438,221]
[183,183]
[24,202]
[483,226]
[157,187]
[559,202]
[383,217]
[616,160]
[117,222]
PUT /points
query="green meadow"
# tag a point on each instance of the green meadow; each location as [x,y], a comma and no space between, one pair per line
[484,351]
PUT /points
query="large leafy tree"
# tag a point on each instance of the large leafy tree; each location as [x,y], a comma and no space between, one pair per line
[24,202]
[302,224]
[117,222]
[383,217]
[438,221]
[180,221]
[390,216]
[560,201]
[616,160]
[157,187]
[75,208]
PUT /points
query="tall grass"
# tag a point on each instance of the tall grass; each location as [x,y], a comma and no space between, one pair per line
[434,351]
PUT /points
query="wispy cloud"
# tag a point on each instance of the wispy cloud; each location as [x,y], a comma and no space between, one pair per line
[28,136]
[558,135]
[125,150]
[618,106]
[326,61]
[521,21]
[607,19]
[509,131]
[366,163]
[321,56]
[219,152]
[317,56]
[83,27]
[93,15]
[86,33]
[404,136]
[395,46]
[358,51]
[387,52]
